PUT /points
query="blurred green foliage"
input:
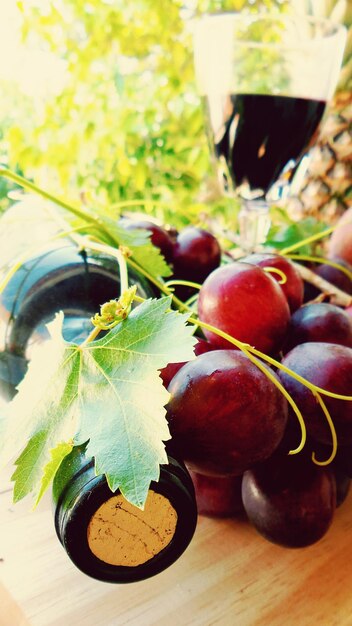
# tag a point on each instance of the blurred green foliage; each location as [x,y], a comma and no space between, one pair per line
[128,123]
[16,109]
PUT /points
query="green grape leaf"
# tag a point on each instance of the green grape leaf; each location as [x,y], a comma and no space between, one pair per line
[107,391]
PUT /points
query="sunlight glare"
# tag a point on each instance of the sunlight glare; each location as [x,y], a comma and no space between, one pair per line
[38,74]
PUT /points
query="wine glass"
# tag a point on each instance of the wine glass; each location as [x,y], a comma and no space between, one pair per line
[265,81]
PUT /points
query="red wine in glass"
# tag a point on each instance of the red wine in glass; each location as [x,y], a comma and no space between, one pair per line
[265,81]
[262,137]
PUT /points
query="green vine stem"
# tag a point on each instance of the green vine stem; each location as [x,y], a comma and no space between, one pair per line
[87,242]
[308,240]
[124,286]
[161,286]
[320,260]
[84,241]
[26,184]
[300,379]
[191,301]
[92,335]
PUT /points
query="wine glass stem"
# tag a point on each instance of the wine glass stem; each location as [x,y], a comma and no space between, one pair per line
[254,223]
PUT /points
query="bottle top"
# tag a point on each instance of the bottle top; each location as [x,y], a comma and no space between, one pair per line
[112,540]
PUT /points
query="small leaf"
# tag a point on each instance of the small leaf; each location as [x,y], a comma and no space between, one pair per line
[27,470]
[295,233]
[57,456]
[25,474]
[143,251]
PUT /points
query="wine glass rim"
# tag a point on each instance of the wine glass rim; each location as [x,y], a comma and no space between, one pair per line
[333,27]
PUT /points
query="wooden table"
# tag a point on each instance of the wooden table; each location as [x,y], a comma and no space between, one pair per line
[229,576]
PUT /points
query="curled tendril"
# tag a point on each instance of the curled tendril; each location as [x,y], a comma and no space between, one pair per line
[275,270]
[186,283]
[332,431]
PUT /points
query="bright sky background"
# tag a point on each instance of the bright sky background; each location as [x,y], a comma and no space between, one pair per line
[38,74]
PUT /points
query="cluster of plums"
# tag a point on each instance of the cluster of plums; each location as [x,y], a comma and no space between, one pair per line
[229,420]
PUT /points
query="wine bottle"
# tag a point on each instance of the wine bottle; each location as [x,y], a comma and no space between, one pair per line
[63,278]
[112,540]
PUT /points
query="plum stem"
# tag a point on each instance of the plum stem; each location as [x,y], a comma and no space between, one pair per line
[92,222]
[160,285]
[339,297]
[320,260]
[92,335]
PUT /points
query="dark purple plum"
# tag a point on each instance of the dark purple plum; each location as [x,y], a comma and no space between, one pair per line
[328,366]
[159,236]
[224,413]
[218,496]
[196,254]
[290,500]
[336,276]
[319,321]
